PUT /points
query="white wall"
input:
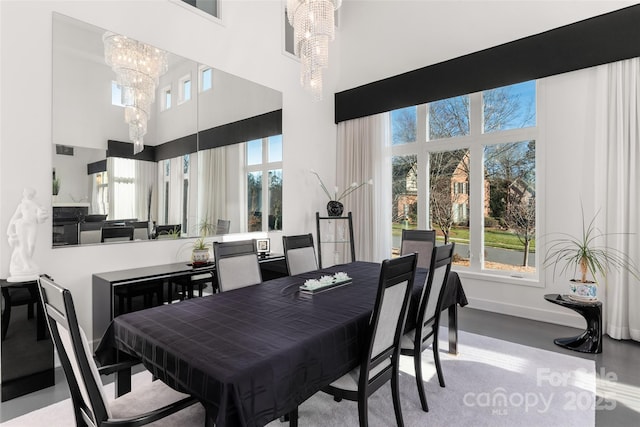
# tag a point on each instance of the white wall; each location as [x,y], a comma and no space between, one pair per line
[247,44]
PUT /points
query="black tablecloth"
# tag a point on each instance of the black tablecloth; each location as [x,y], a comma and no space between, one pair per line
[254,354]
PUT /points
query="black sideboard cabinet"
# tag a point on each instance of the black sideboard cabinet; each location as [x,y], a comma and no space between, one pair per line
[27,349]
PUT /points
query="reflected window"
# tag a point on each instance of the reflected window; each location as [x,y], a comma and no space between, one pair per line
[209,6]
[116,94]
[254,152]
[254,201]
[124,174]
[264,183]
[185,89]
[206,79]
[275,148]
[166,98]
[101,191]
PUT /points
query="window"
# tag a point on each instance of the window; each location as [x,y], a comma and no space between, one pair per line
[264,183]
[186,164]
[101,185]
[210,7]
[466,167]
[206,78]
[124,174]
[185,89]
[116,94]
[166,98]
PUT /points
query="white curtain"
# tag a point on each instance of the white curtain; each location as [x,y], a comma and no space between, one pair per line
[363,154]
[176,181]
[212,180]
[617,177]
[144,185]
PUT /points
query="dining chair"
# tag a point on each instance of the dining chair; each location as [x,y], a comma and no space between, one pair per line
[299,254]
[420,242]
[380,355]
[223,226]
[90,405]
[414,342]
[236,264]
[117,233]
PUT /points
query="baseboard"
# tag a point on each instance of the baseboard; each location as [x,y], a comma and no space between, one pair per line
[569,318]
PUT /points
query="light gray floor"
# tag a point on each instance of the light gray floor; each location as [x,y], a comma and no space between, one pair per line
[618,358]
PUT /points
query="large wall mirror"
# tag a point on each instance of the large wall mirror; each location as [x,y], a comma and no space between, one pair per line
[212,157]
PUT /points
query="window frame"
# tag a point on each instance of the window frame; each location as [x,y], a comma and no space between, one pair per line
[475,142]
[263,167]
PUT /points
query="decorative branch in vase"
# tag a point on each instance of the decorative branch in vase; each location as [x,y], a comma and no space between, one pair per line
[335,206]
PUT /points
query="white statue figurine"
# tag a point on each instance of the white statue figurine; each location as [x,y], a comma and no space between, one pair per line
[21,234]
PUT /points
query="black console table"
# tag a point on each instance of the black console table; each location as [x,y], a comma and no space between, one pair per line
[105,306]
[590,341]
[27,350]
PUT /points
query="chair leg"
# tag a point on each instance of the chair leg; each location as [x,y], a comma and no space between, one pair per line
[436,358]
[363,409]
[417,363]
[395,394]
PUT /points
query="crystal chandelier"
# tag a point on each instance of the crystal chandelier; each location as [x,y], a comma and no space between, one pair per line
[138,67]
[313,28]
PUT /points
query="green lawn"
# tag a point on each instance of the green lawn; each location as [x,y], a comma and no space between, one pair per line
[492,238]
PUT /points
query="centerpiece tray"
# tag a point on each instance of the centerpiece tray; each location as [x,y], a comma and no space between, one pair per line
[325,283]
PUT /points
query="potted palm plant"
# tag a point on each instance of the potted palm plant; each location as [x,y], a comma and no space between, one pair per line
[200,252]
[584,254]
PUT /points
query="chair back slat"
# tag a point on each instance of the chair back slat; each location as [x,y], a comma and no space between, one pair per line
[299,253]
[389,315]
[236,264]
[421,242]
[431,299]
[75,355]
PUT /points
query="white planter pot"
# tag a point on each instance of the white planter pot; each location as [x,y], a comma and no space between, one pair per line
[583,291]
[200,256]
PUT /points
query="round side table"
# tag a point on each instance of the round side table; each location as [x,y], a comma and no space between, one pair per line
[590,341]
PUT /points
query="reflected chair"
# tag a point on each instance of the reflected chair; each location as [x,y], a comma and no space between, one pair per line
[90,405]
[140,230]
[236,264]
[421,242]
[223,226]
[14,296]
[414,342]
[116,234]
[299,254]
[381,353]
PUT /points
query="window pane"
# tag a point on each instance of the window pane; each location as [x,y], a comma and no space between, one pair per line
[254,199]
[186,159]
[449,199]
[186,90]
[116,94]
[403,125]
[275,148]
[509,107]
[404,188]
[449,117]
[254,152]
[206,79]
[167,99]
[510,207]
[275,199]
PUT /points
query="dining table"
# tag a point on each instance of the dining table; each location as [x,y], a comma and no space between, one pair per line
[254,354]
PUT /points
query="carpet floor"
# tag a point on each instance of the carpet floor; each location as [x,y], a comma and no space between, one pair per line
[489,383]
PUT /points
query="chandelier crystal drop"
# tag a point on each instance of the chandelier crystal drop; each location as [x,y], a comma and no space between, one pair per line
[313,28]
[138,67]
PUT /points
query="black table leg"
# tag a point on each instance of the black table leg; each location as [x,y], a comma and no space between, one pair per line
[453,329]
